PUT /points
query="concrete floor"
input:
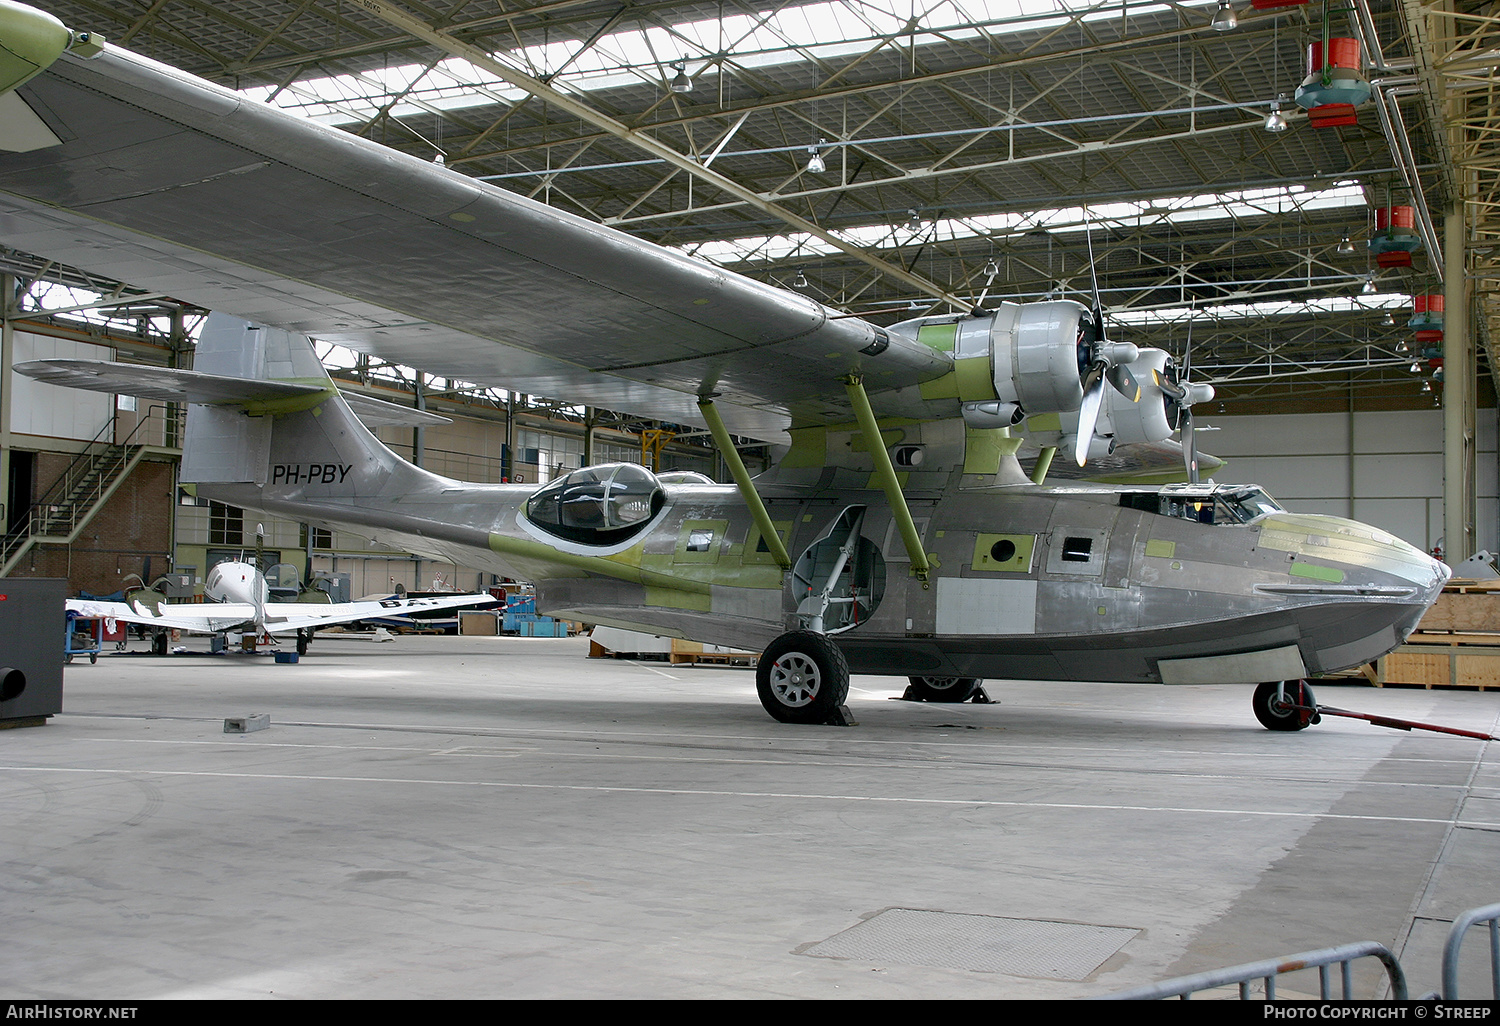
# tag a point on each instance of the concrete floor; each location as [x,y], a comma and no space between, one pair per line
[495,817]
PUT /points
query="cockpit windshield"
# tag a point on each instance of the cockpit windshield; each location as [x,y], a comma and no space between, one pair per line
[597,505]
[1206,504]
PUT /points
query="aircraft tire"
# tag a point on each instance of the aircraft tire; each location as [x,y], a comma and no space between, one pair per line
[302,640]
[943,689]
[1273,718]
[159,643]
[802,677]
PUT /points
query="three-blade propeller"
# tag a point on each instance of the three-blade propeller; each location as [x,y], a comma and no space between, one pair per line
[1182,393]
[1100,359]
[1105,361]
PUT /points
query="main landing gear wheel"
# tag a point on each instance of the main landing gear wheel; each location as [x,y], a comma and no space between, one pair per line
[1285,705]
[303,638]
[802,677]
[941,689]
[159,643]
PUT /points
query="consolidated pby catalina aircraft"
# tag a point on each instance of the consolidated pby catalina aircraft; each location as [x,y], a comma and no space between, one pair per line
[897,535]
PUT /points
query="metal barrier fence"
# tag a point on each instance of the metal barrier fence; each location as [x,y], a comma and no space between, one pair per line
[1488,914]
[1185,987]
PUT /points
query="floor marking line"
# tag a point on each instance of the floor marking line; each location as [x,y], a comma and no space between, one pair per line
[714,793]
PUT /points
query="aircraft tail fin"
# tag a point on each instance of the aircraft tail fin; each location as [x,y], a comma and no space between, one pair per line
[249,383]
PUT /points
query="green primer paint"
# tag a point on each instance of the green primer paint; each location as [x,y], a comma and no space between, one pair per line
[945,387]
[809,448]
[975,380]
[985,447]
[604,566]
[942,337]
[1003,553]
[1312,571]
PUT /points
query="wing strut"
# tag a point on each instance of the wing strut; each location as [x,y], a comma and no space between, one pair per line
[742,481]
[886,474]
[1044,463]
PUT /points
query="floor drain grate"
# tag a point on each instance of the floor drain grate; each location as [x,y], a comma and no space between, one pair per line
[956,940]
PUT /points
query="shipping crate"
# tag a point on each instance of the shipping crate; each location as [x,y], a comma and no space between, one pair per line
[1455,660]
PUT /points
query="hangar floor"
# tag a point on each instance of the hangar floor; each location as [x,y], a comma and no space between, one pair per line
[492,817]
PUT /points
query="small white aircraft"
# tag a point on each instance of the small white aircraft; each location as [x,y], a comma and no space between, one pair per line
[240,600]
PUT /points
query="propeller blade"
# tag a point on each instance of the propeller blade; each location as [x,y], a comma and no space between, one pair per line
[1088,413]
[1125,382]
[1189,445]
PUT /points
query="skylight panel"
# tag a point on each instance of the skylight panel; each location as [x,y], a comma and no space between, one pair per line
[766,39]
[1177,210]
[1181,315]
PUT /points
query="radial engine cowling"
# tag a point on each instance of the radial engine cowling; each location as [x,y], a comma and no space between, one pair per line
[1037,356]
[1151,419]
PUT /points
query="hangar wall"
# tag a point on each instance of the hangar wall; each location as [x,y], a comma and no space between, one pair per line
[1382,468]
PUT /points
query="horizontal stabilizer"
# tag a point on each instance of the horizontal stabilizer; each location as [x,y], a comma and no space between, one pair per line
[379,413]
[164,384]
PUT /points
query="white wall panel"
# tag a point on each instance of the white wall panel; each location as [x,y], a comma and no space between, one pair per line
[51,410]
[1304,461]
[1397,475]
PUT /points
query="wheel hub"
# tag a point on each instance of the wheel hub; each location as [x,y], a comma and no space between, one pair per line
[795,679]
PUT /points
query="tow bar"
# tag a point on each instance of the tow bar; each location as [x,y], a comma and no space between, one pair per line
[1389,721]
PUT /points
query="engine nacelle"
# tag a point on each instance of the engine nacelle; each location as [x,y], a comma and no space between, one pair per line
[1036,353]
[1037,357]
[1098,447]
[1148,420]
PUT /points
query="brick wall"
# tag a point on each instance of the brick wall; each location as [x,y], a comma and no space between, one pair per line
[134,525]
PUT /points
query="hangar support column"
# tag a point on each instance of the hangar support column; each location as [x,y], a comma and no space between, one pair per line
[1459,503]
[7,358]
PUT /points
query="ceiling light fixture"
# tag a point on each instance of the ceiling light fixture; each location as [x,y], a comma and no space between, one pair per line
[1224,18]
[1388,321]
[799,282]
[1416,368]
[1346,246]
[681,84]
[1276,121]
[914,220]
[1369,288]
[991,268]
[815,162]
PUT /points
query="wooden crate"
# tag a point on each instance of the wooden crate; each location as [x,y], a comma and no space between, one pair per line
[1457,660]
[1465,606]
[693,652]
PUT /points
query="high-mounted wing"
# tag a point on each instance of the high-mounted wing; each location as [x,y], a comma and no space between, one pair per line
[173,183]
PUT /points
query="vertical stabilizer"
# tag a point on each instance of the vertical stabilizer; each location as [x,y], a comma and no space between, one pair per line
[239,349]
[229,444]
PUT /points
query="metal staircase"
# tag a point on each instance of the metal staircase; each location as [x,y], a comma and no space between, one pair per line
[75,497]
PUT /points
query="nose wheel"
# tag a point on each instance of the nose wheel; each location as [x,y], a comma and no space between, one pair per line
[802,677]
[1285,705]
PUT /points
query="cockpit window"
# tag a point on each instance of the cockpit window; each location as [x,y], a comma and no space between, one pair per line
[1211,504]
[597,505]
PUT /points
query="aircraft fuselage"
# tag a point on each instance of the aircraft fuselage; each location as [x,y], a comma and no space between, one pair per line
[1026,582]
